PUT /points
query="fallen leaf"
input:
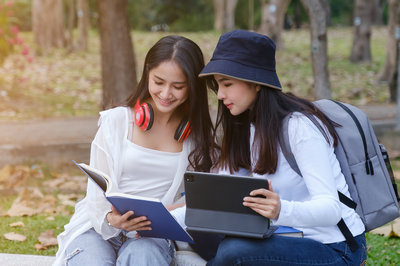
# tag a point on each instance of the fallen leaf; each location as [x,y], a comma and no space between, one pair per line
[47,239]
[70,186]
[32,201]
[17,224]
[20,209]
[40,247]
[54,183]
[5,173]
[15,237]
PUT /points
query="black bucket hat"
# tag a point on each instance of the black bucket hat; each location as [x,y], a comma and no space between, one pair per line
[246,56]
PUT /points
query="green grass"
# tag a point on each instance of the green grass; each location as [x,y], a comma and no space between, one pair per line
[383,250]
[34,226]
[35,175]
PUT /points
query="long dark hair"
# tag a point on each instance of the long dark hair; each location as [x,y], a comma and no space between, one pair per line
[270,107]
[189,57]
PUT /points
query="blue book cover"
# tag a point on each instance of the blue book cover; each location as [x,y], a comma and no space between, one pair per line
[288,231]
[163,224]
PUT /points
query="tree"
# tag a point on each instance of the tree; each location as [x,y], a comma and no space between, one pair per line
[389,68]
[224,15]
[70,24]
[377,12]
[361,50]
[48,24]
[272,18]
[82,10]
[395,76]
[316,10]
[117,58]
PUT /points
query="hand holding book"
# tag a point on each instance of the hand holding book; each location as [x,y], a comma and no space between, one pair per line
[125,222]
[137,211]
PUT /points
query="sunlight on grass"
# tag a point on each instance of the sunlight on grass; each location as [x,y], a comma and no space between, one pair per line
[34,226]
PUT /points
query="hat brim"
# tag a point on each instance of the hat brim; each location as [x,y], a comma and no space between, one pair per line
[242,72]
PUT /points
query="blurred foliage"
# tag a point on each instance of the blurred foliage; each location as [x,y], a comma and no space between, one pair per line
[188,15]
[242,12]
[63,84]
[10,39]
[196,15]
[22,10]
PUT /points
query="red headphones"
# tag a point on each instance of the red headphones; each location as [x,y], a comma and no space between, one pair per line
[144,117]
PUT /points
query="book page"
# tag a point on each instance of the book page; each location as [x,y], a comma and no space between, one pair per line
[124,195]
[100,178]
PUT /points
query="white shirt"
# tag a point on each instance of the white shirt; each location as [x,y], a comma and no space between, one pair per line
[310,203]
[147,172]
[105,155]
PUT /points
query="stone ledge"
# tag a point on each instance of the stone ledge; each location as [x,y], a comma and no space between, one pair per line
[25,260]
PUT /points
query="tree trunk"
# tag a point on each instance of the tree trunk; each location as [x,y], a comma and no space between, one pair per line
[117,56]
[230,6]
[377,12]
[327,9]
[224,15]
[48,24]
[69,37]
[83,24]
[361,50]
[391,48]
[297,15]
[393,81]
[219,14]
[251,14]
[319,50]
[272,19]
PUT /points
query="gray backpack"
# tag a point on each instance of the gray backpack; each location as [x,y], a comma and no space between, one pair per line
[364,162]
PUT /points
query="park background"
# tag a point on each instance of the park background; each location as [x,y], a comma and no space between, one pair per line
[68,59]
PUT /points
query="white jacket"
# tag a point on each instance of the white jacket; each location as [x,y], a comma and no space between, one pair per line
[106,150]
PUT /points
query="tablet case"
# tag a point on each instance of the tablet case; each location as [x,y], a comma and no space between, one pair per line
[214,204]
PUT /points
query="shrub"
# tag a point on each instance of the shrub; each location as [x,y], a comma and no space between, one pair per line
[10,41]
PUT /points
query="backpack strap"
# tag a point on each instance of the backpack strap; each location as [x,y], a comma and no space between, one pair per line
[350,240]
[284,143]
[283,139]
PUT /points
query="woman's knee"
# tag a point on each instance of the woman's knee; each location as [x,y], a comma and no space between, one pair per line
[89,249]
[146,251]
[228,250]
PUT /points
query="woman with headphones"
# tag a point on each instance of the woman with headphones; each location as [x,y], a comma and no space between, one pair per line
[145,147]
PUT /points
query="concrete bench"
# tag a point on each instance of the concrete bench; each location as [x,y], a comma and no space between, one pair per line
[25,260]
[184,257]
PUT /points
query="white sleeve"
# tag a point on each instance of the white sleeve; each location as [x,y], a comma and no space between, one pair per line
[179,215]
[314,156]
[97,205]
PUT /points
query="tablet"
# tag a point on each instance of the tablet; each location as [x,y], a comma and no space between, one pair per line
[214,204]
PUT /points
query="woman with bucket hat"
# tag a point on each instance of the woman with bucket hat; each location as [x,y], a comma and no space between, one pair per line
[251,109]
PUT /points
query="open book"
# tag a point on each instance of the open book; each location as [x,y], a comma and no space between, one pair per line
[163,224]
